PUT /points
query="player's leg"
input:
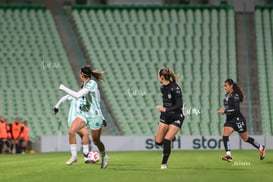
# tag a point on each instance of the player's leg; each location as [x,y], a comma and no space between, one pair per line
[8,150]
[169,136]
[76,126]
[24,145]
[1,145]
[95,124]
[85,147]
[253,142]
[226,133]
[18,146]
[97,141]
[160,134]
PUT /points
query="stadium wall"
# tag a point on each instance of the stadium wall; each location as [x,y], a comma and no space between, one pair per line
[142,143]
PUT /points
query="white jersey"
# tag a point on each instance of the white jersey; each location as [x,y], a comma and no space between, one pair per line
[91,102]
[74,109]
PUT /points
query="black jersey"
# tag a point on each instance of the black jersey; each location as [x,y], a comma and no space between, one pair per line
[232,106]
[172,100]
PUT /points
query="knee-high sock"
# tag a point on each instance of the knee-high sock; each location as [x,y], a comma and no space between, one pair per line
[253,142]
[226,143]
[85,149]
[166,151]
[73,150]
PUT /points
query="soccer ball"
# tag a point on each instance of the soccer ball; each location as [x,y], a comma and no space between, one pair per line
[93,156]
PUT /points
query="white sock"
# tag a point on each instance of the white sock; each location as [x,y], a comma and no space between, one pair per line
[85,149]
[261,147]
[73,150]
[228,153]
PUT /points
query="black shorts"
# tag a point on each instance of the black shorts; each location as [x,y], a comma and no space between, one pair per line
[238,124]
[176,121]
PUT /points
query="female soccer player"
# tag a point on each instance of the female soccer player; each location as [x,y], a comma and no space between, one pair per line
[90,112]
[235,121]
[74,110]
[171,117]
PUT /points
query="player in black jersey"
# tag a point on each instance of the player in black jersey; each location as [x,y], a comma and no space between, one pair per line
[235,121]
[171,117]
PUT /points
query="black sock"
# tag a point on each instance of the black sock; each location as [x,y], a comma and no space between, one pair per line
[1,146]
[253,142]
[226,143]
[166,151]
[159,144]
[18,149]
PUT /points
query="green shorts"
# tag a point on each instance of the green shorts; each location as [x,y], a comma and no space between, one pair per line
[93,123]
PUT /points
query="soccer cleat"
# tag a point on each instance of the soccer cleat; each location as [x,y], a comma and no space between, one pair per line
[262,153]
[104,161]
[164,166]
[71,161]
[227,158]
[85,158]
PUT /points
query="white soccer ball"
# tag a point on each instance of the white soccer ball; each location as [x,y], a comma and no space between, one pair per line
[93,156]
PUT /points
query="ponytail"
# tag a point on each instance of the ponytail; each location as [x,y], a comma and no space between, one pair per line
[168,74]
[236,89]
[88,72]
[98,75]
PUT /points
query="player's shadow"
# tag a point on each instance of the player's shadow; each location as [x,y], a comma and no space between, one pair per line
[268,162]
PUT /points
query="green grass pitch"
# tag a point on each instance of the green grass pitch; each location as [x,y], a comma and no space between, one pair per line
[138,167]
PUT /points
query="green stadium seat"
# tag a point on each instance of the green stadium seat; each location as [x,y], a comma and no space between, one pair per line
[132,45]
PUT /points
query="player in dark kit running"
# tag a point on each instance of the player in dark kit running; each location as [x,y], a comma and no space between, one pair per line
[235,121]
[171,117]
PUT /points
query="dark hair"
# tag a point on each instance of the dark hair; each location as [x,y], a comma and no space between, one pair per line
[88,72]
[236,89]
[168,74]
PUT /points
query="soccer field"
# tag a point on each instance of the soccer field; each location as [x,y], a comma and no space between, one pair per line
[138,167]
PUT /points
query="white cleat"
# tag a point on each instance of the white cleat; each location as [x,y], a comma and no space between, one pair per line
[104,162]
[164,166]
[71,161]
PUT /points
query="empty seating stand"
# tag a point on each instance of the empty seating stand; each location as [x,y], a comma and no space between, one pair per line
[264,28]
[33,64]
[131,43]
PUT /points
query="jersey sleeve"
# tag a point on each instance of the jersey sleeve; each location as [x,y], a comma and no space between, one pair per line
[73,93]
[62,100]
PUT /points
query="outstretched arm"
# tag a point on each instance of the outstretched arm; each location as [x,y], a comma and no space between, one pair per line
[74,94]
[61,101]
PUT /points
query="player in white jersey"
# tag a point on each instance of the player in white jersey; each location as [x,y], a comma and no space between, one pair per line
[90,113]
[73,112]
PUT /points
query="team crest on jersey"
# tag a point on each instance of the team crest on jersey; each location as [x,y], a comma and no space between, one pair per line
[169,96]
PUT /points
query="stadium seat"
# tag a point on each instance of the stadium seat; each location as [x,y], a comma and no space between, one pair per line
[31,48]
[131,45]
[263,28]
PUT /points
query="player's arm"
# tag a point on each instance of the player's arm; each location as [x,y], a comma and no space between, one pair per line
[178,104]
[59,103]
[73,93]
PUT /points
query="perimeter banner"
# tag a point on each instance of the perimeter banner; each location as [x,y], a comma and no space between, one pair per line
[142,143]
